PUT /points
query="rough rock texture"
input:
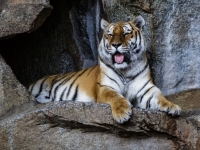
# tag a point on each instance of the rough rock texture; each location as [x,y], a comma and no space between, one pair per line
[19,16]
[85,17]
[186,99]
[49,50]
[69,125]
[176,51]
[13,96]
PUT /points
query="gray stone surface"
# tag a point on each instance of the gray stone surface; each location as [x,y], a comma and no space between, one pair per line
[14,97]
[69,125]
[18,16]
[85,18]
[176,45]
[2,4]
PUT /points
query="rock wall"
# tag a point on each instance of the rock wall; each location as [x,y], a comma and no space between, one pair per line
[176,45]
[68,41]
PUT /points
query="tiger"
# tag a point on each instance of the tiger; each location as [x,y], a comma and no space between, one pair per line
[121,79]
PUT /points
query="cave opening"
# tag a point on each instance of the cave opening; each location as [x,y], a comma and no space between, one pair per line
[52,48]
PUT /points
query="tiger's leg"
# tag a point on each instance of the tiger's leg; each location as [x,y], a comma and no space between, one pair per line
[120,106]
[152,98]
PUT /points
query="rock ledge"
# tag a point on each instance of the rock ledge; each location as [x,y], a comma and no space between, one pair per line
[75,125]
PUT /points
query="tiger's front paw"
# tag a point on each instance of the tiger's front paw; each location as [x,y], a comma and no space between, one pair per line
[169,107]
[121,110]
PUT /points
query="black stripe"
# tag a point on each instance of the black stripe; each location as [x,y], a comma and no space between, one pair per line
[64,81]
[136,37]
[135,46]
[104,42]
[121,77]
[32,86]
[52,83]
[35,83]
[75,93]
[111,79]
[148,104]
[143,86]
[41,85]
[61,97]
[139,37]
[146,93]
[168,109]
[48,97]
[131,26]
[140,71]
[75,81]
[91,70]
[105,86]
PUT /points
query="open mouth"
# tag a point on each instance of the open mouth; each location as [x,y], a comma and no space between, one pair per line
[119,58]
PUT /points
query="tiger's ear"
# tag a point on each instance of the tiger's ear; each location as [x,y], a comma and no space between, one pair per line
[139,22]
[104,24]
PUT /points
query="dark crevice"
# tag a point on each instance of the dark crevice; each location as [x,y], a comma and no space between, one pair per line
[145,132]
[58,121]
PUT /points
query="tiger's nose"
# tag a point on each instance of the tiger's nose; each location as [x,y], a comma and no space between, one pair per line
[116,45]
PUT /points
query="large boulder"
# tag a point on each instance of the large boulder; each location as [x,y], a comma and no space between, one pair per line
[14,97]
[22,16]
[69,125]
[17,17]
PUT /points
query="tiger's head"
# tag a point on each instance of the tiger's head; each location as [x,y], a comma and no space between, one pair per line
[122,42]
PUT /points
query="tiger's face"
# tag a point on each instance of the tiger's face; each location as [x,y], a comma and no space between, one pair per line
[122,42]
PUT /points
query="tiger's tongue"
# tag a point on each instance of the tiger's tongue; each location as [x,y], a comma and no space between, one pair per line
[119,58]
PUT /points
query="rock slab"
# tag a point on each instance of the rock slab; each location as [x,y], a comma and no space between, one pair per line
[71,125]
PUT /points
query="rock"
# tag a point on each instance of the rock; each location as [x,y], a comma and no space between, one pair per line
[176,45]
[68,41]
[14,97]
[22,16]
[71,125]
[85,17]
[2,4]
[186,99]
[49,50]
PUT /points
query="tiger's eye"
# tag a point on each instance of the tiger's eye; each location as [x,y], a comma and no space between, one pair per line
[110,35]
[125,34]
